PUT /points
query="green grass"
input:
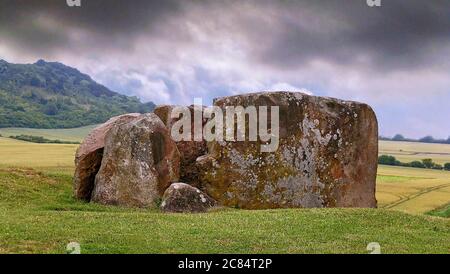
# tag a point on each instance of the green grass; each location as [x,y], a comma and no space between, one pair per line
[39,215]
[72,134]
[441,212]
[394,178]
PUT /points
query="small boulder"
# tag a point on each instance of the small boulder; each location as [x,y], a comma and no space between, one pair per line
[140,160]
[89,156]
[180,197]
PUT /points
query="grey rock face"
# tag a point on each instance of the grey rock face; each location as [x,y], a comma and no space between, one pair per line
[140,160]
[327,156]
[89,156]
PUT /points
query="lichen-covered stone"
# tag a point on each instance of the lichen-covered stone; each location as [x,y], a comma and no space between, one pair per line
[89,156]
[189,150]
[140,160]
[180,197]
[327,156]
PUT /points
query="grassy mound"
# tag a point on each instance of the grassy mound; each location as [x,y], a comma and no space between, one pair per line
[39,215]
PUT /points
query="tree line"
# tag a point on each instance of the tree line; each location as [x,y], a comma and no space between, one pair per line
[426,139]
[425,163]
[39,139]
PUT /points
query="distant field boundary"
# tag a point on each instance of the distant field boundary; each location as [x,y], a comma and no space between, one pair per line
[41,140]
[425,140]
[68,134]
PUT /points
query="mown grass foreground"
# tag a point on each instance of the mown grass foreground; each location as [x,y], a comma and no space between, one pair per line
[39,215]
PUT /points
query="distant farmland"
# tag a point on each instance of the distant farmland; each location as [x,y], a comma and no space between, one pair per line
[412,190]
[71,134]
[411,151]
[403,151]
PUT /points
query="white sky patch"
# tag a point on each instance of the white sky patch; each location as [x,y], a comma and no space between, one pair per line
[150,90]
[288,87]
[155,91]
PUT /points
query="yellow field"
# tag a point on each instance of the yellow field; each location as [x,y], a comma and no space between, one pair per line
[406,189]
[412,190]
[411,151]
[48,157]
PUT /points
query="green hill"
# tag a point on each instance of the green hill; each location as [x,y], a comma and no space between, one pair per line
[53,95]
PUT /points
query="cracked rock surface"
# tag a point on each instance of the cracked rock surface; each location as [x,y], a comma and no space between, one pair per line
[89,155]
[327,156]
[140,161]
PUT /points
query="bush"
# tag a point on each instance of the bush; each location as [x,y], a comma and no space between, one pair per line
[388,160]
[428,163]
[417,164]
[39,140]
[425,163]
[398,137]
[427,139]
[447,166]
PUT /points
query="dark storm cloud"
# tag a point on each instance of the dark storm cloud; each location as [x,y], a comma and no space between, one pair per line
[284,34]
[22,21]
[394,57]
[401,33]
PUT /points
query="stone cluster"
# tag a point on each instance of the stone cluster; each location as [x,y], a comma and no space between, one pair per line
[326,157]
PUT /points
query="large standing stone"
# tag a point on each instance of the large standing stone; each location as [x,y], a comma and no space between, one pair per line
[140,160]
[89,156]
[180,197]
[189,150]
[327,156]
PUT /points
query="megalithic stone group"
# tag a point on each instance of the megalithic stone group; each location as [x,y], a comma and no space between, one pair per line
[326,157]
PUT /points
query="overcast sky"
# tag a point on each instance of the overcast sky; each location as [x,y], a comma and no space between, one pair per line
[395,57]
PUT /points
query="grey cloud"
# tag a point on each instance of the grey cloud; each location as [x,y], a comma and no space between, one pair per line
[400,34]
[106,21]
[173,50]
[284,34]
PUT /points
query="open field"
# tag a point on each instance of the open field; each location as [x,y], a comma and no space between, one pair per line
[411,151]
[47,157]
[39,215]
[403,151]
[71,134]
[412,190]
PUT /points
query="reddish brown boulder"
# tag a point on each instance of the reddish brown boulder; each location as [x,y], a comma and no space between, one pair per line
[189,150]
[327,156]
[140,160]
[180,197]
[89,156]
